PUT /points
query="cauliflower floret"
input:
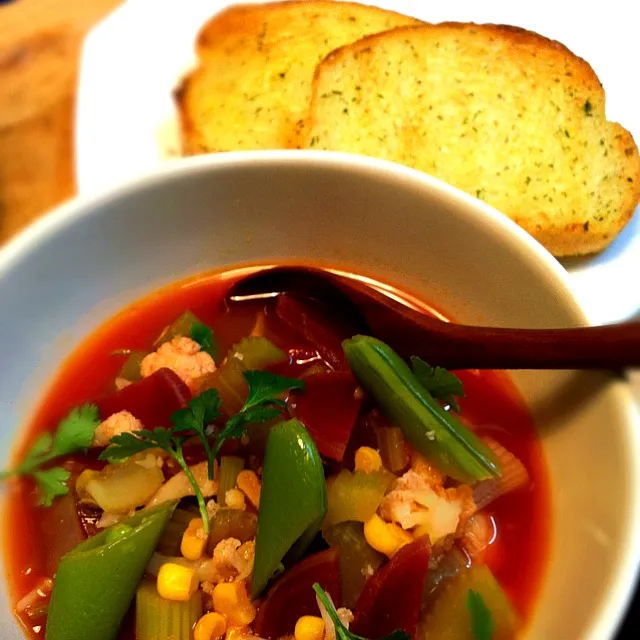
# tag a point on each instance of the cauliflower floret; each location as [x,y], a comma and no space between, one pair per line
[114,425]
[232,556]
[231,560]
[183,356]
[438,512]
[345,616]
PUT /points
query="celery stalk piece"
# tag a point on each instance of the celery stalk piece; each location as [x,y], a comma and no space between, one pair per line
[160,619]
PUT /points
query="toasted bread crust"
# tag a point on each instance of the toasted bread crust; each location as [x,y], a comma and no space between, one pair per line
[507,115]
[253,85]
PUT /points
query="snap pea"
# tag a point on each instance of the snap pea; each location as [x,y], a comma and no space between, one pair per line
[436,434]
[97,580]
[293,501]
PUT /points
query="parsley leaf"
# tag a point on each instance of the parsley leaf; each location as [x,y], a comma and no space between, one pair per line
[439,382]
[264,387]
[51,484]
[76,431]
[481,620]
[262,403]
[200,412]
[203,335]
[74,434]
[125,445]
[342,633]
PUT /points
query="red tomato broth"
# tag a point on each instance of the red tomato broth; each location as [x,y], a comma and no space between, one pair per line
[492,404]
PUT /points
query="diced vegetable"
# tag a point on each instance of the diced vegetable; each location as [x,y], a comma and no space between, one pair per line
[130,370]
[61,525]
[293,501]
[514,476]
[179,327]
[230,467]
[231,523]
[97,581]
[257,353]
[449,565]
[392,597]
[313,325]
[152,400]
[328,408]
[171,539]
[392,447]
[160,619]
[292,595]
[450,617]
[358,560]
[250,354]
[355,495]
[232,600]
[120,488]
[438,435]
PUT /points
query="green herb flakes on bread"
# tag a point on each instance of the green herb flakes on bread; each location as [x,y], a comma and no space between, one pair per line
[507,115]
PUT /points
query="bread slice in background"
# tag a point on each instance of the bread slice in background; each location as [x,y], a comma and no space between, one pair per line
[252,87]
[509,116]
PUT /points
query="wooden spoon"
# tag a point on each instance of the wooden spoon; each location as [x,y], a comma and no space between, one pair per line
[453,346]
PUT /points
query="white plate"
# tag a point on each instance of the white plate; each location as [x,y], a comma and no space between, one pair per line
[133,60]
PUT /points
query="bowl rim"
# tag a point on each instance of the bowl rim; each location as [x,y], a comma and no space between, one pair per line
[619,596]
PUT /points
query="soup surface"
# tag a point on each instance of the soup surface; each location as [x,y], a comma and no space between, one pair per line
[395,540]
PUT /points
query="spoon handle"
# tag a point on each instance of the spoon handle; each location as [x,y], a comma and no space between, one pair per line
[463,347]
[455,346]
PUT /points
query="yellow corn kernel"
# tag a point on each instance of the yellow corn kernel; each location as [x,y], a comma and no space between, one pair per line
[385,537]
[249,483]
[309,628]
[176,582]
[194,540]
[210,627]
[238,633]
[368,460]
[231,600]
[234,499]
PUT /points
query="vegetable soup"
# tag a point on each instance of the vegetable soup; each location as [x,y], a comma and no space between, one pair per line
[202,469]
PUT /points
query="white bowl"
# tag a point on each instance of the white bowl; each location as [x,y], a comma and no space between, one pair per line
[72,270]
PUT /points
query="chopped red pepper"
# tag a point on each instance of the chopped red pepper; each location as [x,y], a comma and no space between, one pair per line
[321,332]
[392,596]
[328,407]
[152,400]
[293,596]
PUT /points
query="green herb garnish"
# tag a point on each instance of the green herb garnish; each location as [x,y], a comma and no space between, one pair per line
[74,434]
[342,633]
[482,624]
[439,382]
[203,335]
[262,404]
[125,445]
[200,412]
